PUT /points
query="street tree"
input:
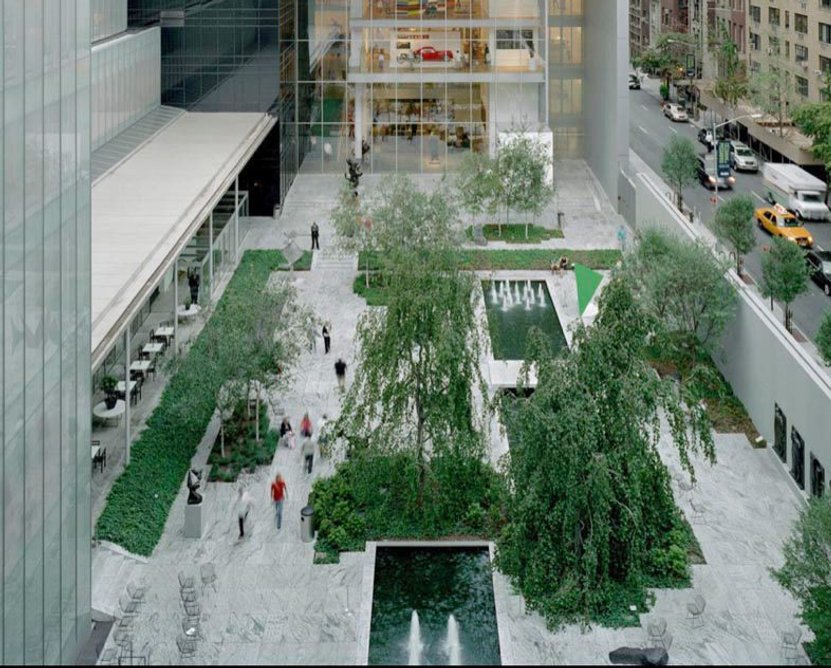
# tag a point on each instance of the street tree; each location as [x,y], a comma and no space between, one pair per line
[418,367]
[784,274]
[666,59]
[806,573]
[523,166]
[772,91]
[823,339]
[682,286]
[731,84]
[591,514]
[814,120]
[678,165]
[733,225]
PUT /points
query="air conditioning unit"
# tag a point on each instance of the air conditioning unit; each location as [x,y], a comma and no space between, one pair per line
[818,72]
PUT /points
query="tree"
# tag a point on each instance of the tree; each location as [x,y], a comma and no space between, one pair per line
[590,514]
[784,274]
[772,91]
[814,120]
[474,183]
[666,58]
[522,175]
[733,225]
[682,285]
[807,573]
[353,230]
[678,165]
[823,339]
[731,84]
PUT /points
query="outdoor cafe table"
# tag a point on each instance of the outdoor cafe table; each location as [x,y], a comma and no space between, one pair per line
[141,366]
[153,348]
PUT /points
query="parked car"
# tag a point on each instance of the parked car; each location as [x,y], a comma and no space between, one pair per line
[778,222]
[819,262]
[431,53]
[676,113]
[742,159]
[634,82]
[706,171]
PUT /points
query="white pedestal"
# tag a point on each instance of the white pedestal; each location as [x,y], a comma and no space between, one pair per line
[194,522]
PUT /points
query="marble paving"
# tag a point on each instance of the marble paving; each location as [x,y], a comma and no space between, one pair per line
[271,605]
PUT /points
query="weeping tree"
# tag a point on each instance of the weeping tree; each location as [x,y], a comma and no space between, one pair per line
[591,516]
[474,184]
[772,91]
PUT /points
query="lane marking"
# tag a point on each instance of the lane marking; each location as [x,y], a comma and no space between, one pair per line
[642,129]
[644,107]
[758,196]
[673,129]
[721,198]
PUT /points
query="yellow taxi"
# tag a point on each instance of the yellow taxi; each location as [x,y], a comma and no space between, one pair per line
[780,223]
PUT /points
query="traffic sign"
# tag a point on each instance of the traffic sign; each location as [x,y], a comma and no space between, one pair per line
[723,159]
[691,66]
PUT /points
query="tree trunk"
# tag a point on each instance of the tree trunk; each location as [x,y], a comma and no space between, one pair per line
[366,267]
[222,439]
[257,418]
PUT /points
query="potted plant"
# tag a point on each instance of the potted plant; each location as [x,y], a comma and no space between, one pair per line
[108,385]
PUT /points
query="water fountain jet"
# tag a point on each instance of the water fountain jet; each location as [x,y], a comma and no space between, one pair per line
[414,645]
[452,646]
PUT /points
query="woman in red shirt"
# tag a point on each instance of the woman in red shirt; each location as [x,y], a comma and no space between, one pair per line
[279,494]
[306,426]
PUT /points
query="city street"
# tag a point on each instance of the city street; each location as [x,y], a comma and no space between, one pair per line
[649,132]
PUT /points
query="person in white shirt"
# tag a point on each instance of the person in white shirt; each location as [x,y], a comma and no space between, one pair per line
[243,508]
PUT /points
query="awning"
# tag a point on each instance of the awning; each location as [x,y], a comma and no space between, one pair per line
[148,207]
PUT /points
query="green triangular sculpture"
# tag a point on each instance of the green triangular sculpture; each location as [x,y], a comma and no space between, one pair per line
[587,282]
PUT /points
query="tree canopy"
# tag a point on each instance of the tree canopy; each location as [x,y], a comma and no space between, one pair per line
[591,513]
[823,339]
[814,120]
[771,92]
[667,57]
[733,225]
[784,274]
[678,165]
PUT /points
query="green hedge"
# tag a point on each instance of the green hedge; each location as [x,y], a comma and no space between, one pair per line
[515,233]
[139,503]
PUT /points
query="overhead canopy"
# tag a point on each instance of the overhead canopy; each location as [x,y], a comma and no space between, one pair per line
[145,210]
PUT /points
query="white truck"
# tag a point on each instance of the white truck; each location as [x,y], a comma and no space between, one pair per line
[799,192]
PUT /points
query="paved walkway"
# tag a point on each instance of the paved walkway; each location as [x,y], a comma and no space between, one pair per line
[271,605]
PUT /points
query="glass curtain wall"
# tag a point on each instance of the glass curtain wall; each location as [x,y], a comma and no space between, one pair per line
[565,72]
[45,339]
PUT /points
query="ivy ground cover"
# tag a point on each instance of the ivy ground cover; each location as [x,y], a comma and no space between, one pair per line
[140,500]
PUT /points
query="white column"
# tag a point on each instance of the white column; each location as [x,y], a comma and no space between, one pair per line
[211,253]
[359,118]
[236,217]
[355,48]
[176,303]
[127,363]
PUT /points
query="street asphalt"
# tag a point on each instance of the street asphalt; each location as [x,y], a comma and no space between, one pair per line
[649,132]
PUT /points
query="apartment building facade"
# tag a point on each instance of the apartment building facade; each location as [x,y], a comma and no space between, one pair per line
[794,35]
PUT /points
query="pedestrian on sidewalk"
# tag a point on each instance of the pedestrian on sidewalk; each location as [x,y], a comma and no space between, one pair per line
[243,508]
[327,340]
[279,494]
[306,426]
[315,236]
[287,433]
[340,372]
[621,238]
[323,437]
[307,451]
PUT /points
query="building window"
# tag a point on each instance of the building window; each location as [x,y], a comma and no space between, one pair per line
[773,46]
[755,67]
[800,23]
[817,477]
[825,33]
[787,49]
[787,19]
[825,4]
[755,41]
[825,63]
[780,433]
[800,52]
[755,13]
[797,458]
[773,16]
[801,85]
[514,40]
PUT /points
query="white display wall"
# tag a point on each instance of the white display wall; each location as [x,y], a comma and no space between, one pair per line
[108,18]
[126,82]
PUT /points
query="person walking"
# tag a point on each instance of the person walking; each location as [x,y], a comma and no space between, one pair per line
[193,284]
[243,508]
[307,451]
[323,437]
[315,236]
[340,372]
[279,494]
[287,433]
[327,341]
[306,426]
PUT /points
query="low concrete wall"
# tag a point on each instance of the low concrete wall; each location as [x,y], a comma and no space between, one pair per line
[760,359]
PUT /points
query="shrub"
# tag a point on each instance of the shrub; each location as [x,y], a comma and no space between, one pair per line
[140,500]
[823,339]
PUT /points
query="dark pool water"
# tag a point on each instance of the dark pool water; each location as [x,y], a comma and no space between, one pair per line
[509,327]
[437,583]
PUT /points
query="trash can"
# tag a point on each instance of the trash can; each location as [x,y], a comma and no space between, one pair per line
[561,220]
[307,520]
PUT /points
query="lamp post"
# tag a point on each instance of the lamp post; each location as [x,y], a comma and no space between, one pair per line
[716,143]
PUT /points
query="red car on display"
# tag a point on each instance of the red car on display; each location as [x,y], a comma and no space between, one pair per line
[430,53]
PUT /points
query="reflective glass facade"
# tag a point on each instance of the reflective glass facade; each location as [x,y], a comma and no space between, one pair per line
[45,339]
